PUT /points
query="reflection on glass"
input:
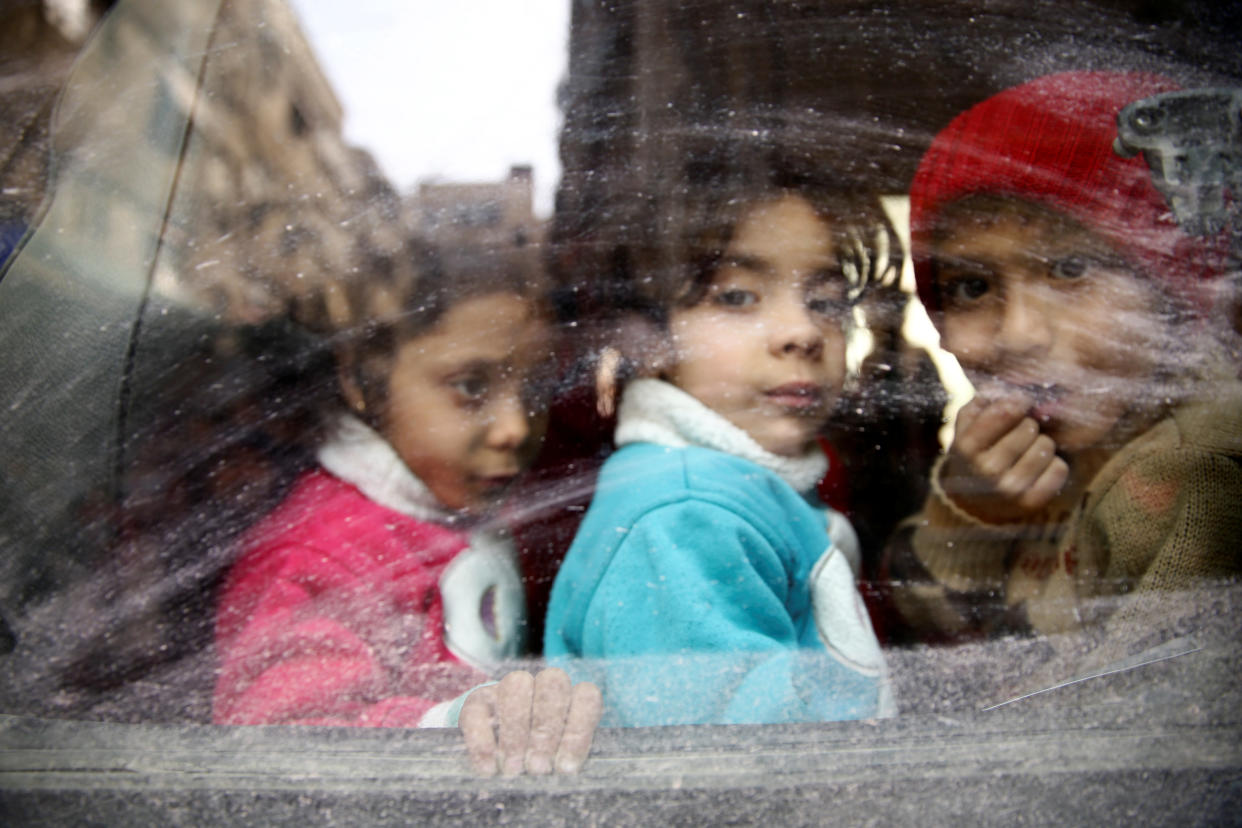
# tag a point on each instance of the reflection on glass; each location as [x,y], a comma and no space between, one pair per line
[190,233]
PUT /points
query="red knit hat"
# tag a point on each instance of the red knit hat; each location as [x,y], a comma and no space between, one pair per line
[1050,141]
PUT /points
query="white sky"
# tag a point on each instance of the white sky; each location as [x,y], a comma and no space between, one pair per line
[453,90]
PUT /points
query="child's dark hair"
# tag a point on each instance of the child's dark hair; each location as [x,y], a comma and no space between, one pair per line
[405,297]
[719,189]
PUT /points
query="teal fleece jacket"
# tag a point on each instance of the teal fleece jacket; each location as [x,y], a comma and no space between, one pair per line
[703,589]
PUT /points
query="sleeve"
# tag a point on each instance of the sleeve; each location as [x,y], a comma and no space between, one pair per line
[944,573]
[690,625]
[1170,522]
[1167,526]
[302,640]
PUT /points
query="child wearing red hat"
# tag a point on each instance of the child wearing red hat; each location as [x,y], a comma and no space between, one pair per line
[1099,457]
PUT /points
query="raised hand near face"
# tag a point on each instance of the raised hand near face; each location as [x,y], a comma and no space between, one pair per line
[1001,468]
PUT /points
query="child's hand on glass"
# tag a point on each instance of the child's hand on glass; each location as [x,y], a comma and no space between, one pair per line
[1000,467]
[537,724]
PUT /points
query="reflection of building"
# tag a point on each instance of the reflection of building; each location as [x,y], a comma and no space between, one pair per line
[491,213]
[276,206]
[265,202]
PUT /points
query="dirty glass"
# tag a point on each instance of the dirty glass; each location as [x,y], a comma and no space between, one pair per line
[193,215]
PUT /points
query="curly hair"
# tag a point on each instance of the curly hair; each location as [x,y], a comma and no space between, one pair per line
[718,188]
[403,297]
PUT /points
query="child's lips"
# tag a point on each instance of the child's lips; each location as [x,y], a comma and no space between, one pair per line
[796,395]
[1041,399]
[496,482]
[1046,403]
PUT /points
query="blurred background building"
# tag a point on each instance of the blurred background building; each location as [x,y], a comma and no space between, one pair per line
[484,213]
[267,205]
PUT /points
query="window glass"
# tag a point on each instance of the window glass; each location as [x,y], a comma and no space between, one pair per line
[207,205]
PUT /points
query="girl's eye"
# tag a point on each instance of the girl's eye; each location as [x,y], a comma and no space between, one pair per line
[966,289]
[1070,267]
[472,388]
[736,298]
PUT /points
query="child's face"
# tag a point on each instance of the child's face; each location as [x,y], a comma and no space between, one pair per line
[459,398]
[1037,306]
[765,347]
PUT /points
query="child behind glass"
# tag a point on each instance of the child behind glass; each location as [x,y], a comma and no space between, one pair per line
[1102,455]
[381,588]
[707,583]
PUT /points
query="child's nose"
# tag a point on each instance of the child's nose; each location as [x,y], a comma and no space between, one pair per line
[793,330]
[1026,325]
[510,426]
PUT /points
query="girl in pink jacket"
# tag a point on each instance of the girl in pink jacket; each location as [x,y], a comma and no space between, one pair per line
[381,590]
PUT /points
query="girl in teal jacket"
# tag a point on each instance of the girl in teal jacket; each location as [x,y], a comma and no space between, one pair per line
[707,583]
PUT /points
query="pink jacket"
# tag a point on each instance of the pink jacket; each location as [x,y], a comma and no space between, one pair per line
[344,610]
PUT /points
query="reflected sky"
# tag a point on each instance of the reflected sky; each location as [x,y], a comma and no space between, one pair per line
[455,91]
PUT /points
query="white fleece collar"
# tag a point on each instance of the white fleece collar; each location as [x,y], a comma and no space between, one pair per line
[355,453]
[654,411]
